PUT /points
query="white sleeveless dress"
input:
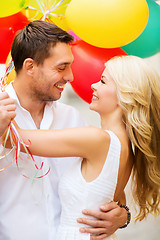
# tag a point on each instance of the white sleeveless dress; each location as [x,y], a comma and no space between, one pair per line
[76,194]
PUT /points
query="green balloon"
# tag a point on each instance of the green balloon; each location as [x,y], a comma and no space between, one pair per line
[148,43]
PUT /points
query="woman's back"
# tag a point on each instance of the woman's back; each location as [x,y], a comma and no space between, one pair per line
[77,194]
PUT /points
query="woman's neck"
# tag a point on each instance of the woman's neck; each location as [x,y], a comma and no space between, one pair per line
[113,121]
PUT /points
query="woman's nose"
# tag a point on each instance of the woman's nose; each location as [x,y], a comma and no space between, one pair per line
[94,86]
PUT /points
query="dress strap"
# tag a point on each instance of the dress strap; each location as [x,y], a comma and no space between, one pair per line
[111,165]
[115,145]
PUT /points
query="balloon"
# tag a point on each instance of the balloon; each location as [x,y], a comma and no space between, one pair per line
[8,28]
[16,21]
[107,23]
[6,37]
[47,10]
[11,76]
[9,7]
[148,43]
[76,38]
[88,66]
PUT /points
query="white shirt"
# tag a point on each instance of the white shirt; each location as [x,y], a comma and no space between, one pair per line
[30,210]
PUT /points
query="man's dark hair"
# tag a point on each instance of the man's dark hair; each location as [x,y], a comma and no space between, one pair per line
[35,41]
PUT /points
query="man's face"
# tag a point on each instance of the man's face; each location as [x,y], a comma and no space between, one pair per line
[49,78]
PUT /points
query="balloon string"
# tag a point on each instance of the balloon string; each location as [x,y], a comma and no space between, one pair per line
[14,136]
[17,141]
[53,4]
[47,9]
[40,5]
[4,155]
[57,5]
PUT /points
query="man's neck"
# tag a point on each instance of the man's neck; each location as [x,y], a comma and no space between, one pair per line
[34,107]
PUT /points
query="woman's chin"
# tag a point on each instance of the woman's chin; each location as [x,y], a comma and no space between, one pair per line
[92,107]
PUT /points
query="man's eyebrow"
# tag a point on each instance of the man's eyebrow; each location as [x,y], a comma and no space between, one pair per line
[64,63]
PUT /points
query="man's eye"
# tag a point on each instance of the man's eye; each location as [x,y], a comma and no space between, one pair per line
[61,69]
[102,81]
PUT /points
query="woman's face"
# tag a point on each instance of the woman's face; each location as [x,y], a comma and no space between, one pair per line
[104,99]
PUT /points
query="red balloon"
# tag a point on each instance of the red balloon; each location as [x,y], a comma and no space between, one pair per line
[8,28]
[88,66]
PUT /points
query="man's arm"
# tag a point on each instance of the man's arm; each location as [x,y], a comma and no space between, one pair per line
[108,220]
[7,111]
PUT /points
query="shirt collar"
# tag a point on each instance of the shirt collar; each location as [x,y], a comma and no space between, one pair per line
[10,90]
[49,110]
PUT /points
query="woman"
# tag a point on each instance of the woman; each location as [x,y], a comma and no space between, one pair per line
[127,99]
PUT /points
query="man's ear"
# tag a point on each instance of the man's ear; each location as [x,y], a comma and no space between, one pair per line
[28,65]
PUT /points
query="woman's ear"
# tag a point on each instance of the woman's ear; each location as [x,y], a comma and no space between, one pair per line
[28,65]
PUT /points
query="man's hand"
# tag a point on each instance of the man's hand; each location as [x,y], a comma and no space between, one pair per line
[109,219]
[7,111]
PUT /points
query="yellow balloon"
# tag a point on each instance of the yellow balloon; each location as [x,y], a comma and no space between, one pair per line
[107,23]
[9,7]
[47,10]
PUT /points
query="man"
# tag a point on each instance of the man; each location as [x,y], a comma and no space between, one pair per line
[42,59]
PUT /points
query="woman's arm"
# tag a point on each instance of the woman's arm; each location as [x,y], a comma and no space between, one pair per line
[86,142]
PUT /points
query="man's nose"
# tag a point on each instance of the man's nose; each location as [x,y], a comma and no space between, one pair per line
[68,76]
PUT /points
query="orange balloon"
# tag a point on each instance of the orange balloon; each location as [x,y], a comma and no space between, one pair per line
[11,76]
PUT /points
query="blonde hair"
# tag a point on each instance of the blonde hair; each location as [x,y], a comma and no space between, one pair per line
[138,88]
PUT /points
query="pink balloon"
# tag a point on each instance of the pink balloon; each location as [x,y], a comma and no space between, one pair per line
[76,38]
